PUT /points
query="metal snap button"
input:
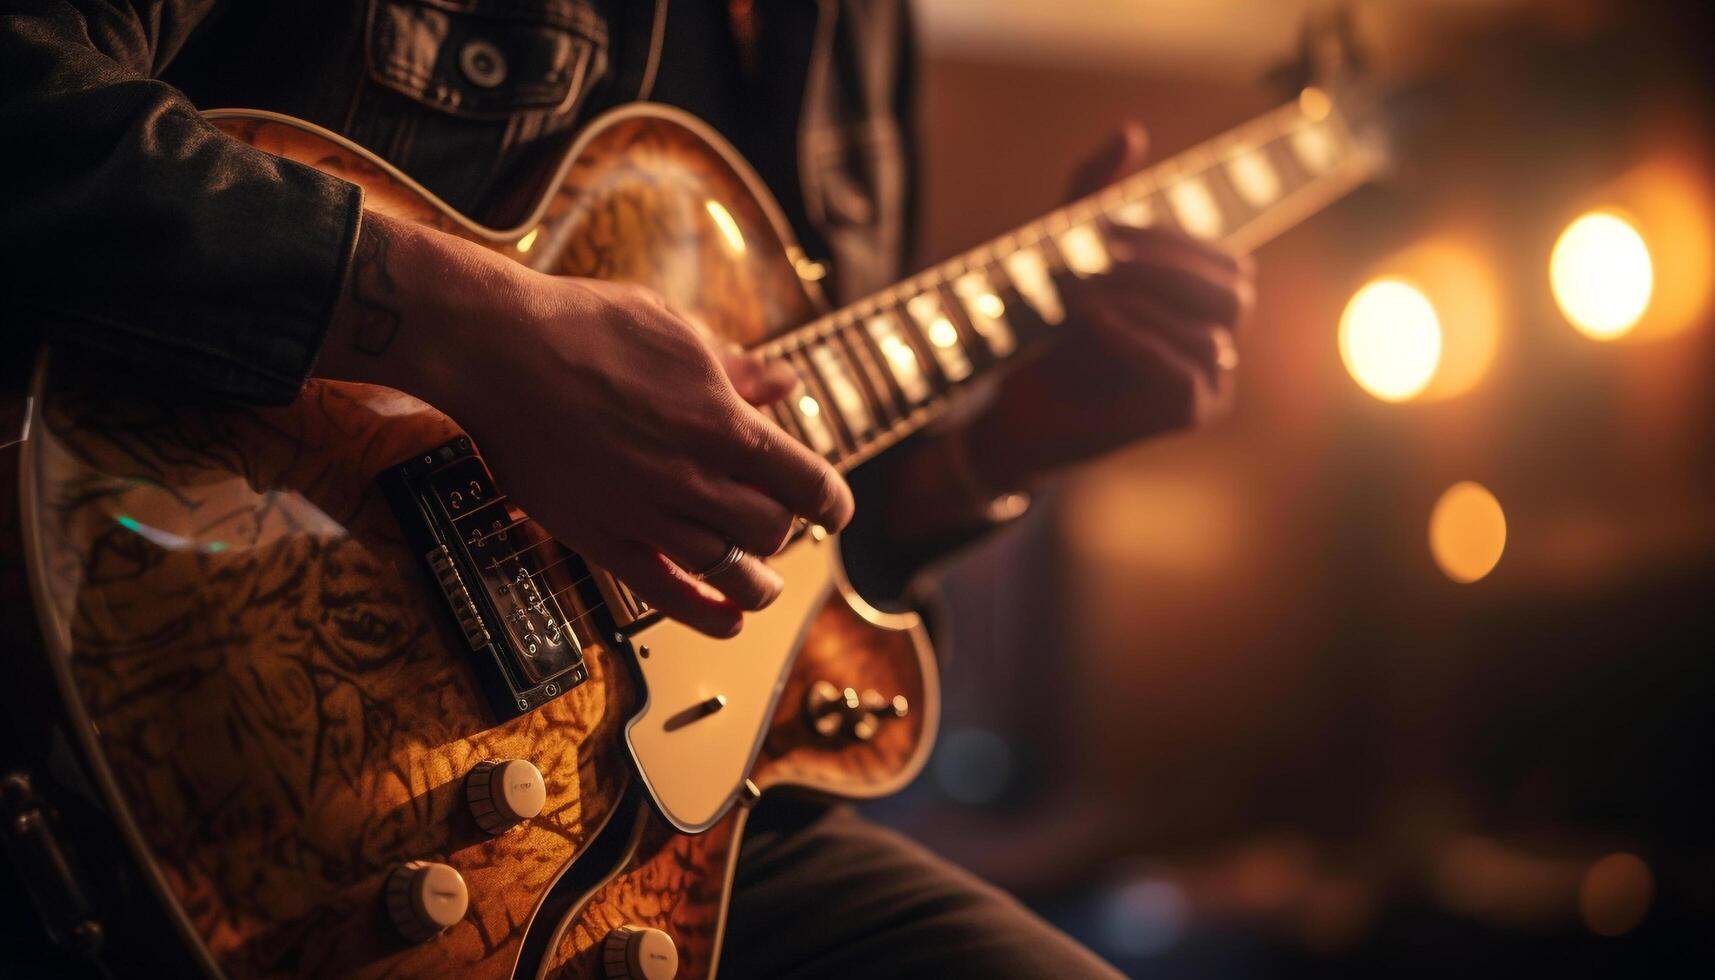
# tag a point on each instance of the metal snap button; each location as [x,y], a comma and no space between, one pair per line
[482,63]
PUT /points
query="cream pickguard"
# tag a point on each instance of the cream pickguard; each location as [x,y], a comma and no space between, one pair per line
[708,702]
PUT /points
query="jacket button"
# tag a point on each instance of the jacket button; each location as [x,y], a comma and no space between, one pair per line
[482,63]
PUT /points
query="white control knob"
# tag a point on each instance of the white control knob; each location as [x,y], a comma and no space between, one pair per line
[504,793]
[424,898]
[639,953]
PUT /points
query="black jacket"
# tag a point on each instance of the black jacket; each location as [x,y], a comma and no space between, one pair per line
[131,227]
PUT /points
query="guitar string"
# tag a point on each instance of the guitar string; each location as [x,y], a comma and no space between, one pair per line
[1269,128]
[495,532]
[495,562]
[1199,159]
[797,341]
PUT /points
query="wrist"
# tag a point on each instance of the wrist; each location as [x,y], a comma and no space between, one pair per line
[413,307]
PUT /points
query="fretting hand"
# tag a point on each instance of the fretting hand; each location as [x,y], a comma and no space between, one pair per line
[1149,347]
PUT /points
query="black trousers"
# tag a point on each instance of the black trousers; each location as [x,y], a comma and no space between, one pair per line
[822,893]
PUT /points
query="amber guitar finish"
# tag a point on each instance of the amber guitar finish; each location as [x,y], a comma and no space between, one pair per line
[274,701]
[270,657]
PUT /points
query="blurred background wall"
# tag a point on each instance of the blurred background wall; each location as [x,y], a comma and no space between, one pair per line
[1226,704]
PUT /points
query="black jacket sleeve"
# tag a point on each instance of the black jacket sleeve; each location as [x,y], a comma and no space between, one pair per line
[131,226]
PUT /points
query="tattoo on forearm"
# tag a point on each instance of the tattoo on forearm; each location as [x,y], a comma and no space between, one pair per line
[372,291]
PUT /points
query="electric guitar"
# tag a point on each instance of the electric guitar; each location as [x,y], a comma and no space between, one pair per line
[352,714]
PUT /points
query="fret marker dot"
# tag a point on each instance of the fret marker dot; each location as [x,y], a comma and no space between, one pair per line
[1256,181]
[942,333]
[809,407]
[1029,272]
[1314,146]
[1084,252]
[1134,214]
[1196,208]
[989,305]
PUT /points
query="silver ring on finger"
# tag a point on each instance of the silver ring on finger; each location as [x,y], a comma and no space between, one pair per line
[734,555]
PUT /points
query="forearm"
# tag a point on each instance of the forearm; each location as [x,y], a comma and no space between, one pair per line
[131,226]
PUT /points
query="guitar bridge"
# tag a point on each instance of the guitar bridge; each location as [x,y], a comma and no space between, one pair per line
[464,607]
[496,571]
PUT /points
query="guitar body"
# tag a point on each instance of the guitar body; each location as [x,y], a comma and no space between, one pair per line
[276,707]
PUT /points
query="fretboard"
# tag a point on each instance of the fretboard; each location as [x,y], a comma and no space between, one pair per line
[877,371]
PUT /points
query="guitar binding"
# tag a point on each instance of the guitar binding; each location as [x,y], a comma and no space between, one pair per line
[487,562]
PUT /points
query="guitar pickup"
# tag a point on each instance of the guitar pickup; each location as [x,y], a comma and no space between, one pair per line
[496,571]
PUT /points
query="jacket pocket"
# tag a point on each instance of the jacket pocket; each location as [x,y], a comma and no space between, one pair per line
[486,59]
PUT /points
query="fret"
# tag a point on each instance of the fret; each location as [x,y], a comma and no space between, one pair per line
[871,372]
[899,357]
[874,377]
[1085,253]
[842,388]
[807,409]
[1028,270]
[787,420]
[1292,173]
[810,401]
[1195,208]
[1138,213]
[1314,146]
[1254,177]
[1236,210]
[985,312]
[943,336]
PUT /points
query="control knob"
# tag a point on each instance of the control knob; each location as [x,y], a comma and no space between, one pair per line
[639,953]
[504,793]
[424,898]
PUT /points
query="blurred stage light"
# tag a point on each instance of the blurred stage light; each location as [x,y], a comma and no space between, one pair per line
[1454,270]
[1187,524]
[1602,275]
[1390,339]
[1467,532]
[1670,202]
[1616,894]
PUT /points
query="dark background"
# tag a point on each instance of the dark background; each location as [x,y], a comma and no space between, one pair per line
[1213,707]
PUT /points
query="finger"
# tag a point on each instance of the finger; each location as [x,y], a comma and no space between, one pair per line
[1160,245]
[1119,324]
[1209,295]
[750,584]
[671,589]
[1124,153]
[745,515]
[1165,356]
[760,454]
[1206,347]
[758,381]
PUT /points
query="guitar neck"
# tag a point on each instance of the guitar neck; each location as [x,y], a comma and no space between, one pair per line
[874,372]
